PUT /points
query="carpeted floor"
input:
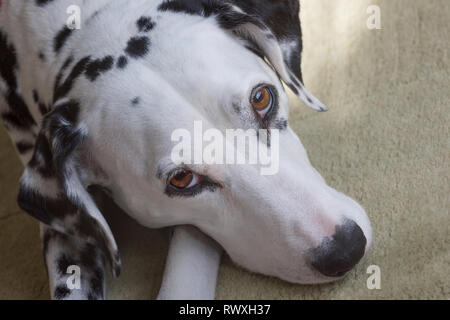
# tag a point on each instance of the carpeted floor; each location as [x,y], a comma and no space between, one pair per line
[385,141]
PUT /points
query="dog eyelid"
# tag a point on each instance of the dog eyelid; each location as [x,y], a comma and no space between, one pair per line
[197,185]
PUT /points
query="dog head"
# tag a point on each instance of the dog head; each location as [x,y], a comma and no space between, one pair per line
[182,64]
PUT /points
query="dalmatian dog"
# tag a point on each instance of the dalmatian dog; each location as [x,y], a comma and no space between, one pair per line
[96,107]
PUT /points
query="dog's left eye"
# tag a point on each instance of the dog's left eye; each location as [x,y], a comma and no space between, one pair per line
[185,183]
[262,100]
[184,180]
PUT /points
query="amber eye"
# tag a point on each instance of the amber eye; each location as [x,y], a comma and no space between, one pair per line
[262,100]
[182,179]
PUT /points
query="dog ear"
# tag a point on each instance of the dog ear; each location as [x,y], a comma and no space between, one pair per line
[272,29]
[282,18]
[51,189]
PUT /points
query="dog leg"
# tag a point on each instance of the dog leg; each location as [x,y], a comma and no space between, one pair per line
[192,266]
[76,270]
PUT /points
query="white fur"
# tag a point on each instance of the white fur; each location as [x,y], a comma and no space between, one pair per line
[199,257]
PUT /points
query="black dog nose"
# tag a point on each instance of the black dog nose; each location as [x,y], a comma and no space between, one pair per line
[334,257]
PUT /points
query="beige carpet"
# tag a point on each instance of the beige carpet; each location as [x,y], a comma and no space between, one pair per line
[385,141]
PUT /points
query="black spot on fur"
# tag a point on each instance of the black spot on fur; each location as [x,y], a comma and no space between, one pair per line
[67,63]
[61,38]
[138,47]
[61,90]
[117,266]
[145,24]
[64,133]
[97,282]
[95,68]
[43,109]
[190,7]
[135,101]
[43,208]
[226,16]
[256,50]
[42,56]
[237,107]
[35,96]
[88,227]
[295,81]
[89,256]
[63,263]
[294,89]
[61,292]
[281,124]
[204,8]
[122,62]
[8,62]
[60,74]
[18,114]
[53,211]
[42,3]
[24,147]
[42,157]
[65,136]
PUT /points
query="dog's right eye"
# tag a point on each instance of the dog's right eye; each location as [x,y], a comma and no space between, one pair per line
[262,101]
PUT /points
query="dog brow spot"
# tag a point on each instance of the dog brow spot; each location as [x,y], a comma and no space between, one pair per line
[122,62]
[42,57]
[135,101]
[145,24]
[138,47]
[95,68]
[281,124]
[237,107]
